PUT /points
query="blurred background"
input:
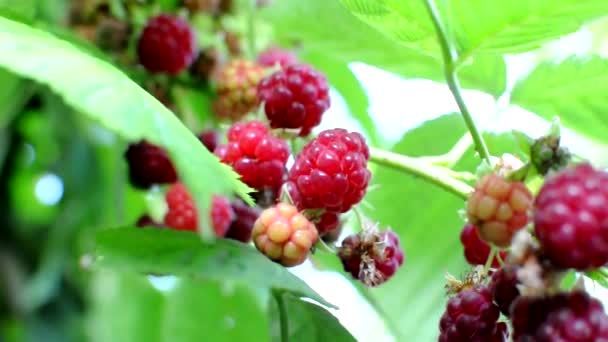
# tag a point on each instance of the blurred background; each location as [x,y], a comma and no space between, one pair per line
[62,177]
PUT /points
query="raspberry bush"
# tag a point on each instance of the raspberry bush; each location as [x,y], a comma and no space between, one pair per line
[218,168]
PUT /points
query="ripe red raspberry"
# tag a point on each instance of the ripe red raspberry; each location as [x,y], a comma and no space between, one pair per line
[471,316]
[477,251]
[210,139]
[581,318]
[504,288]
[167,44]
[284,235]
[499,208]
[255,155]
[372,257]
[149,164]
[571,218]
[241,227]
[273,56]
[294,97]
[331,172]
[563,317]
[181,213]
[236,89]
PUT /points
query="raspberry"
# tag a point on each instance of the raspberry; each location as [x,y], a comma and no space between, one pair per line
[332,235]
[222,215]
[284,235]
[547,155]
[273,56]
[210,139]
[331,172]
[499,208]
[372,257]
[471,316]
[581,318]
[149,164]
[563,317]
[245,217]
[181,213]
[477,251]
[255,155]
[294,97]
[571,218]
[236,89]
[504,288]
[167,44]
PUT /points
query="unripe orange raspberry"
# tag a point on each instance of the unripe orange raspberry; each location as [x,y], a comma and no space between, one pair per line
[284,235]
[236,86]
[499,208]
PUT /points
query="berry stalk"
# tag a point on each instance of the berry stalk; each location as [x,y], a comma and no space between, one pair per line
[449,58]
[434,174]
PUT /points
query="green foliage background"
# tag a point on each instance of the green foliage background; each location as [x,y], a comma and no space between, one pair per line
[68,274]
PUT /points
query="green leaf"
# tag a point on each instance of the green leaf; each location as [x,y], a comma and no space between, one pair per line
[404,20]
[600,276]
[342,78]
[182,253]
[125,307]
[351,40]
[104,94]
[482,26]
[25,9]
[574,90]
[308,322]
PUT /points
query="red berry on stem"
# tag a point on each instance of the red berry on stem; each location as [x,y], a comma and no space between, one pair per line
[255,155]
[148,165]
[563,317]
[331,172]
[284,235]
[167,44]
[295,97]
[471,316]
[477,251]
[571,218]
[499,208]
[273,56]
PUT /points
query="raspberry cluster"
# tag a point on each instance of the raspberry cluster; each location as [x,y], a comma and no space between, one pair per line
[571,218]
[331,172]
[284,235]
[294,97]
[255,154]
[499,208]
[167,44]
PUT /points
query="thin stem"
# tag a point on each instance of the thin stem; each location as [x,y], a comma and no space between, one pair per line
[449,58]
[454,155]
[434,174]
[491,257]
[283,319]
[251,6]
